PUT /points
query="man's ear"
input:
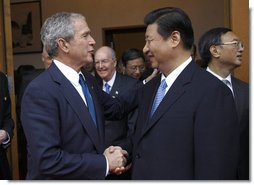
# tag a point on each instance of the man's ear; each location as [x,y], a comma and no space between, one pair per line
[63,45]
[215,51]
[175,38]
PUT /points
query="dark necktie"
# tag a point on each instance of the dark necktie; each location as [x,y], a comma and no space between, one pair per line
[88,97]
[159,96]
[107,87]
[227,83]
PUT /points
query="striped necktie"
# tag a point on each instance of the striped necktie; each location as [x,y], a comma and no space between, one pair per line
[159,96]
[107,88]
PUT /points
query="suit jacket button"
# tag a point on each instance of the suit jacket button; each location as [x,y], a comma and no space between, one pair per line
[138,156]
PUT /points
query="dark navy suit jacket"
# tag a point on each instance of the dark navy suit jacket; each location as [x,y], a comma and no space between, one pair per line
[241,94]
[62,140]
[7,124]
[193,134]
[116,132]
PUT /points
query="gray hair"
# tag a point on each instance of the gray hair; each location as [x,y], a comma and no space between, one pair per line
[113,53]
[59,25]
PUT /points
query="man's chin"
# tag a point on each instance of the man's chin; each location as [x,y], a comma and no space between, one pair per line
[89,60]
[154,65]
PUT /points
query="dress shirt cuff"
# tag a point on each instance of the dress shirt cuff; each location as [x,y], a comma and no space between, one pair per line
[144,81]
[107,170]
[7,140]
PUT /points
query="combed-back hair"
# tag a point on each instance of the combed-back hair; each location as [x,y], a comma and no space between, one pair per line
[208,39]
[171,19]
[59,25]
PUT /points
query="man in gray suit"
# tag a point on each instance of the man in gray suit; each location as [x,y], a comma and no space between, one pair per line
[221,52]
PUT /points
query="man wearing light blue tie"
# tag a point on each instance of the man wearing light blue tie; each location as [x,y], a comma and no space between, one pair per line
[193,132]
[115,84]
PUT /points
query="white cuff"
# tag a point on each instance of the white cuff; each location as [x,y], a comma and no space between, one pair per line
[107,170]
[7,140]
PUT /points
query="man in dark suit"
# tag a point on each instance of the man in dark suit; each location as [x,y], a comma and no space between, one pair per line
[63,109]
[193,132]
[6,128]
[115,84]
[105,64]
[25,79]
[221,52]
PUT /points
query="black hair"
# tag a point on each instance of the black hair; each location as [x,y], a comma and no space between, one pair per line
[171,19]
[209,38]
[131,54]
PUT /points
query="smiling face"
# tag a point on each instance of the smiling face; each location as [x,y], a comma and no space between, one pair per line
[105,64]
[135,68]
[156,49]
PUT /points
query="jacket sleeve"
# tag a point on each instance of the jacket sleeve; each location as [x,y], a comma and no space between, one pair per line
[216,139]
[7,121]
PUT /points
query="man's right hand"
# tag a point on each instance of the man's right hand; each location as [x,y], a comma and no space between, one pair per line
[116,159]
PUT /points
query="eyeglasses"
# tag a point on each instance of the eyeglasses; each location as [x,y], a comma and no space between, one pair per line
[135,68]
[238,44]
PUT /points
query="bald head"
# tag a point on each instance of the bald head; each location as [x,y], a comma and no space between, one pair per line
[105,62]
[107,51]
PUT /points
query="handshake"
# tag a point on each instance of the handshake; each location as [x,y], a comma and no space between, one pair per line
[116,157]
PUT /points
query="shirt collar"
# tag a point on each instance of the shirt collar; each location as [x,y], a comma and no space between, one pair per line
[175,73]
[111,81]
[218,76]
[68,72]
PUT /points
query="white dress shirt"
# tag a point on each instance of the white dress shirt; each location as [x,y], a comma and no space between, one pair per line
[110,82]
[228,78]
[72,76]
[170,79]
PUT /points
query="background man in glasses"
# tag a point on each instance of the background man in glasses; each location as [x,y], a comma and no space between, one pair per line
[221,53]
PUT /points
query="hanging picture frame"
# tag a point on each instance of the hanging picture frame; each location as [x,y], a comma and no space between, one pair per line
[26,25]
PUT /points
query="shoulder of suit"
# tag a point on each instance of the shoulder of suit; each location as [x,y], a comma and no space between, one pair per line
[125,77]
[236,80]
[2,75]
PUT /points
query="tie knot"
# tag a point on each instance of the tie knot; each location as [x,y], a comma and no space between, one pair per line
[107,87]
[225,81]
[81,78]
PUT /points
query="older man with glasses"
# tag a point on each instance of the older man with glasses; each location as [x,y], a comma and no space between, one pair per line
[221,52]
[115,84]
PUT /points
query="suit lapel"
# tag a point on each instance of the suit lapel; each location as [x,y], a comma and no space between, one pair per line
[177,89]
[116,87]
[77,104]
